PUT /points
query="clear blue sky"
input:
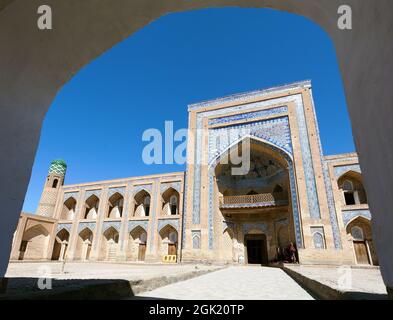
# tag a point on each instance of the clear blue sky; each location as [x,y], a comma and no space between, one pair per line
[96,121]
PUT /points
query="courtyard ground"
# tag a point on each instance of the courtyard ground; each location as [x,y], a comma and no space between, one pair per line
[185,281]
[356,279]
[102,270]
[234,283]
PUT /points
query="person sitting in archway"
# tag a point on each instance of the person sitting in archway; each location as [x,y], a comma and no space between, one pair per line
[292,252]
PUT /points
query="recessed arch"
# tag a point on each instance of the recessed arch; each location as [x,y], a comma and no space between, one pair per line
[34,244]
[284,160]
[168,242]
[60,245]
[68,210]
[91,207]
[356,217]
[170,201]
[142,201]
[115,206]
[360,237]
[137,243]
[230,148]
[84,244]
[352,189]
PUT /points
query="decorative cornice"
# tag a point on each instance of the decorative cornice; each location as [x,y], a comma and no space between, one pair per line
[245,96]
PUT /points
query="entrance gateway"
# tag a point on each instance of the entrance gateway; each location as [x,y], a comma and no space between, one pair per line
[256,249]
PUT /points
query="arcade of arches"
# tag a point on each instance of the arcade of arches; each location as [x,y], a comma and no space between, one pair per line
[290,203]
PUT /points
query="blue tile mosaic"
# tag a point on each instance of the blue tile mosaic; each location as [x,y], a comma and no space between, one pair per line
[137,223]
[350,215]
[174,185]
[108,224]
[88,225]
[164,222]
[65,226]
[120,190]
[249,115]
[340,170]
[307,161]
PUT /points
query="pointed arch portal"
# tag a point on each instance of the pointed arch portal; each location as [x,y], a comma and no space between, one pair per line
[283,161]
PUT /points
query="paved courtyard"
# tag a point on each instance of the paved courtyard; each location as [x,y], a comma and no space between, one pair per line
[92,270]
[243,282]
[345,278]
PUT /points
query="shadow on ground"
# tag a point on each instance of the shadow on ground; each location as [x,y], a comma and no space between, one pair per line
[29,289]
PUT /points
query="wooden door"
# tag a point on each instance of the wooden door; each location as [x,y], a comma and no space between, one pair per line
[361,252]
[172,249]
[141,252]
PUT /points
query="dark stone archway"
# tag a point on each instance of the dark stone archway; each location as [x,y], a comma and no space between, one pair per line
[35,65]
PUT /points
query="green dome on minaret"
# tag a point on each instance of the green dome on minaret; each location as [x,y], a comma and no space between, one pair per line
[58,167]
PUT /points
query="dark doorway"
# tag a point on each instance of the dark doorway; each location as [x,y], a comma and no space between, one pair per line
[256,249]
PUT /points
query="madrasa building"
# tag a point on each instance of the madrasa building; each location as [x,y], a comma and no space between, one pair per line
[289,193]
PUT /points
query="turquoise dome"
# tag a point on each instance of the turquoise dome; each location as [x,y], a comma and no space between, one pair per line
[58,167]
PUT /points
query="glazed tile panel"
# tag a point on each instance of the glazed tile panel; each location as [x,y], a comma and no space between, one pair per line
[305,148]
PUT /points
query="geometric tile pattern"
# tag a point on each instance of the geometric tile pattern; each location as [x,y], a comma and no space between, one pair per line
[293,189]
[249,115]
[66,226]
[247,227]
[196,239]
[331,206]
[340,170]
[137,223]
[120,190]
[350,215]
[240,98]
[328,185]
[312,197]
[69,195]
[276,131]
[108,224]
[146,187]
[318,235]
[58,167]
[198,139]
[89,225]
[166,185]
[89,193]
[164,222]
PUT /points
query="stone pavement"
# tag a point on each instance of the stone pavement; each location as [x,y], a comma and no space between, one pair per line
[345,278]
[237,282]
[101,270]
[90,280]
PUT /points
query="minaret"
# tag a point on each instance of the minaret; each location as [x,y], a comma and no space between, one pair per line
[53,183]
